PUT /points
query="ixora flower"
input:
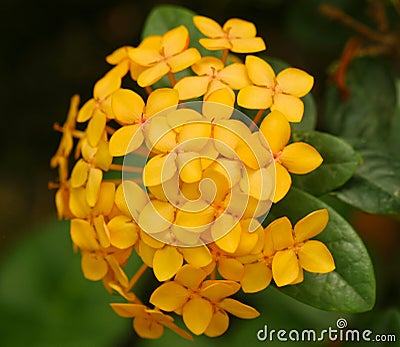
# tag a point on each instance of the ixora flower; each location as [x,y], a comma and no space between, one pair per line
[189,295]
[212,75]
[236,35]
[294,249]
[182,188]
[280,92]
[172,55]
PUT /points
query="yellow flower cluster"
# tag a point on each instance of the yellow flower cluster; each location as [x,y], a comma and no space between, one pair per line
[195,179]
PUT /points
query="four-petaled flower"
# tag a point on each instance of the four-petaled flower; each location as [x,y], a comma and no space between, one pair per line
[237,35]
[202,303]
[294,249]
[172,55]
[281,92]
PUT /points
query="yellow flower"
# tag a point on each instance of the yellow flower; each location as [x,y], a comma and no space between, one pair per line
[148,323]
[98,109]
[294,249]
[123,62]
[281,92]
[212,75]
[172,55]
[88,171]
[130,110]
[237,35]
[202,303]
[298,158]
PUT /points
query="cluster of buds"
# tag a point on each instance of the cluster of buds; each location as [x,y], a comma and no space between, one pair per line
[185,181]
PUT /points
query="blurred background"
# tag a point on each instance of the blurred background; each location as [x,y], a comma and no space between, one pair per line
[52,50]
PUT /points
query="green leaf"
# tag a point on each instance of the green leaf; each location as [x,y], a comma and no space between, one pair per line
[375,187]
[368,112]
[309,120]
[166,17]
[351,287]
[340,163]
[46,301]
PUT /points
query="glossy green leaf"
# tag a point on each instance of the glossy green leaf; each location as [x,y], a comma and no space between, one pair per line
[375,187]
[340,163]
[368,112]
[46,301]
[351,286]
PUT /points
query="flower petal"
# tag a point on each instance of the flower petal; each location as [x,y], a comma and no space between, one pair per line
[94,267]
[103,234]
[235,75]
[256,277]
[147,328]
[255,98]
[300,158]
[83,234]
[107,85]
[128,310]
[190,276]
[207,65]
[230,268]
[230,230]
[156,216]
[183,60]
[170,296]
[248,45]
[125,140]
[127,106]
[86,111]
[93,186]
[160,100]
[239,309]
[260,72]
[218,325]
[295,82]
[159,169]
[216,290]
[276,130]
[189,166]
[123,232]
[145,56]
[79,173]
[291,106]
[285,267]
[197,323]
[236,27]
[166,263]
[153,74]
[215,44]
[208,26]
[281,233]
[192,87]
[175,41]
[311,225]
[219,104]
[314,256]
[197,256]
[95,128]
[283,182]
[78,204]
